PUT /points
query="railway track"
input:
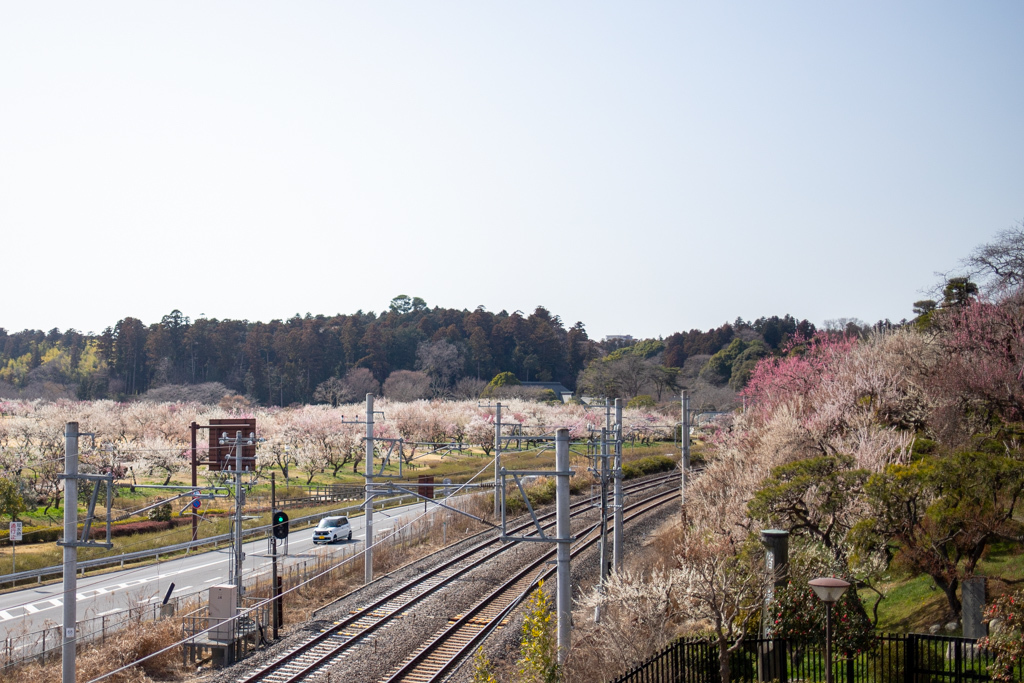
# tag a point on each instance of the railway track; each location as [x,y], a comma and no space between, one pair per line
[436,659]
[321,649]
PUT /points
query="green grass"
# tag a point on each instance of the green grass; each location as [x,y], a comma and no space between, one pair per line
[912,604]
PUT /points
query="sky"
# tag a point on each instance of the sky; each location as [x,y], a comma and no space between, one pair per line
[642,167]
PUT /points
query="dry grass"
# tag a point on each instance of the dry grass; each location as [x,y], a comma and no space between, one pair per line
[332,580]
[124,647]
[625,636]
[328,578]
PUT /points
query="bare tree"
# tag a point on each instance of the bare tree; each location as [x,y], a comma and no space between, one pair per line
[359,382]
[353,387]
[999,265]
[469,388]
[639,616]
[209,393]
[627,376]
[332,390]
[406,385]
[441,361]
[854,327]
[717,582]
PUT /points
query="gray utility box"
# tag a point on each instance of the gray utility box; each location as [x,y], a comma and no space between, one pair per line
[223,608]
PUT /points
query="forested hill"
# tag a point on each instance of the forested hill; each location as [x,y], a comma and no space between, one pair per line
[285,361]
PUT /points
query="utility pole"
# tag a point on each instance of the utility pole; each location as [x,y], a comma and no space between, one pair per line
[617,502]
[238,556]
[275,590]
[563,602]
[603,543]
[70,551]
[497,461]
[368,544]
[685,441]
[239,505]
[195,482]
[71,542]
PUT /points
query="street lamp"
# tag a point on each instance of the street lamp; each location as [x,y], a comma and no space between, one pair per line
[828,590]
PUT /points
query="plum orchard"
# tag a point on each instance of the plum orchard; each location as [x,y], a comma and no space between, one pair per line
[153,438]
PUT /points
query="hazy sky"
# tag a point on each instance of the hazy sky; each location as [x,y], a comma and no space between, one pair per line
[644,167]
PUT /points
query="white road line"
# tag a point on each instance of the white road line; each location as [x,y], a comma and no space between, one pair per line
[31,609]
[109,611]
[5,615]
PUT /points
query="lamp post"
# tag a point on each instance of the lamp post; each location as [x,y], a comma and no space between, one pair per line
[828,590]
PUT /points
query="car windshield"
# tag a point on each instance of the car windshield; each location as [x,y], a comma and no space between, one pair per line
[330,522]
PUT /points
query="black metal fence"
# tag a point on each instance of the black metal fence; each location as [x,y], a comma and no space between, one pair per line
[891,658]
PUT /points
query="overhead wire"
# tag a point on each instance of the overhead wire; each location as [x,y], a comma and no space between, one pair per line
[293,588]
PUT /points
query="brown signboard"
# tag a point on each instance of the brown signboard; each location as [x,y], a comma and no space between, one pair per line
[426,491]
[223,457]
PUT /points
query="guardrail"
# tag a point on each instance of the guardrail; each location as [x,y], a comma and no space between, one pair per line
[18,648]
[300,522]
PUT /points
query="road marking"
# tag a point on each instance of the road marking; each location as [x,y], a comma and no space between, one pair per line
[5,615]
[209,580]
[31,609]
[109,611]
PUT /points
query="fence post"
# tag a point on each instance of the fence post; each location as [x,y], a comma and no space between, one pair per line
[909,658]
[958,661]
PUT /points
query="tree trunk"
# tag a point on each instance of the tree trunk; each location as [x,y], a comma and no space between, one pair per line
[723,660]
[950,590]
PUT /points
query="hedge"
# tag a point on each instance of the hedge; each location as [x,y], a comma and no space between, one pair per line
[652,464]
[51,534]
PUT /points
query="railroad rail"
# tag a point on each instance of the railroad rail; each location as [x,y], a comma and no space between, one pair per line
[437,659]
[324,647]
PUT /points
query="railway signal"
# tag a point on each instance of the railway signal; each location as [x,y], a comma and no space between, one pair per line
[280,521]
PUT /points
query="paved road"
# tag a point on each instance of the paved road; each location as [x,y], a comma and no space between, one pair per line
[33,609]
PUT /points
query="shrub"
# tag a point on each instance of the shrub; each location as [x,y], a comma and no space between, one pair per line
[798,614]
[504,379]
[641,402]
[652,464]
[538,651]
[1008,641]
[161,513]
[483,670]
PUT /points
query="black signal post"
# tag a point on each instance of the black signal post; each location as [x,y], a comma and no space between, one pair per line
[279,529]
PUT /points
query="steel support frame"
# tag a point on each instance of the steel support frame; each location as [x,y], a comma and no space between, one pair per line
[536,523]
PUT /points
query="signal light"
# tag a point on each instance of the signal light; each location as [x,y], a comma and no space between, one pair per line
[280,521]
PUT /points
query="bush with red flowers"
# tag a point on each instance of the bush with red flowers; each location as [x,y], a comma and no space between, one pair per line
[1008,642]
